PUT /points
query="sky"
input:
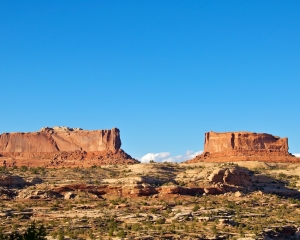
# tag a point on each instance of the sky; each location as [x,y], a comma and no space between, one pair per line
[163,72]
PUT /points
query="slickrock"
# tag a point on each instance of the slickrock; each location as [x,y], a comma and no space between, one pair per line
[244,146]
[38,194]
[63,147]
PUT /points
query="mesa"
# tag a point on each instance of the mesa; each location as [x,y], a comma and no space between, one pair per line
[63,147]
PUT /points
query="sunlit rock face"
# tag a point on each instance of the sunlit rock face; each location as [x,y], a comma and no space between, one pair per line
[63,147]
[244,146]
[61,139]
[244,141]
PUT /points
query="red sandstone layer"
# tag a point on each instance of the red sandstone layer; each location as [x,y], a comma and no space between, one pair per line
[63,146]
[244,141]
[61,139]
[244,146]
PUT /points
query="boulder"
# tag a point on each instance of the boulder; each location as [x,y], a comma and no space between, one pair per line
[213,190]
[69,195]
[239,194]
[137,189]
[10,181]
[172,189]
[7,194]
[231,176]
[38,194]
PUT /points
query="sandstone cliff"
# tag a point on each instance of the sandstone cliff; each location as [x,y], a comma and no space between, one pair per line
[61,145]
[61,139]
[245,141]
[241,146]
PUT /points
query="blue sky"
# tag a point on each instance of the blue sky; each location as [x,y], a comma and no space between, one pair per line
[164,72]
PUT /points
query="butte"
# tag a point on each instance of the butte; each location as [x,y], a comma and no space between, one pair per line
[244,146]
[63,147]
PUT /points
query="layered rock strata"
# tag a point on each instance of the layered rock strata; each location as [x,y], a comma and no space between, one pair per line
[216,180]
[63,146]
[244,146]
[61,139]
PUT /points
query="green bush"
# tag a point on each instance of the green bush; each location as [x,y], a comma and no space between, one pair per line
[121,234]
[161,221]
[196,208]
[33,232]
[24,168]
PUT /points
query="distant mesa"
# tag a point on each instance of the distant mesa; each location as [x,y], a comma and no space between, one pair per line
[244,141]
[61,139]
[244,146]
[63,146]
[75,147]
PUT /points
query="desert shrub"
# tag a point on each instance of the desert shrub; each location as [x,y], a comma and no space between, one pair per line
[196,208]
[168,211]
[161,221]
[3,169]
[214,229]
[14,167]
[34,170]
[136,227]
[33,232]
[121,233]
[282,175]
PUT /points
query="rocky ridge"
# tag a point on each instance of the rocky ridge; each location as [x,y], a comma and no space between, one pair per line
[211,180]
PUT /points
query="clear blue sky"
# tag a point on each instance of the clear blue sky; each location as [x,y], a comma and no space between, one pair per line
[164,72]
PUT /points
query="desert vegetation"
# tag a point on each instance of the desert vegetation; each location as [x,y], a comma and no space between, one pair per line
[151,201]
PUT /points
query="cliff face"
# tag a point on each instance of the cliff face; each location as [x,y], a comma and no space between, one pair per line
[247,141]
[244,146]
[63,147]
[61,139]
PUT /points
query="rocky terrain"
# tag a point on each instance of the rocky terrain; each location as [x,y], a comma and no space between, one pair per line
[252,200]
[244,146]
[81,185]
[63,147]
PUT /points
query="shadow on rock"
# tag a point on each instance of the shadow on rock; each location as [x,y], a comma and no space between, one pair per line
[236,178]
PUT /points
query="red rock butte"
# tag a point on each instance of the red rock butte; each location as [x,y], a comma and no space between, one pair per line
[63,146]
[244,146]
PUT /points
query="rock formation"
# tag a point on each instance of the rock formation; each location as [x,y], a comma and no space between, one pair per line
[7,180]
[59,146]
[241,146]
[245,141]
[61,139]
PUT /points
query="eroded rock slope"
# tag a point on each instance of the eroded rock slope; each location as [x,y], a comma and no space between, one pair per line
[62,146]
